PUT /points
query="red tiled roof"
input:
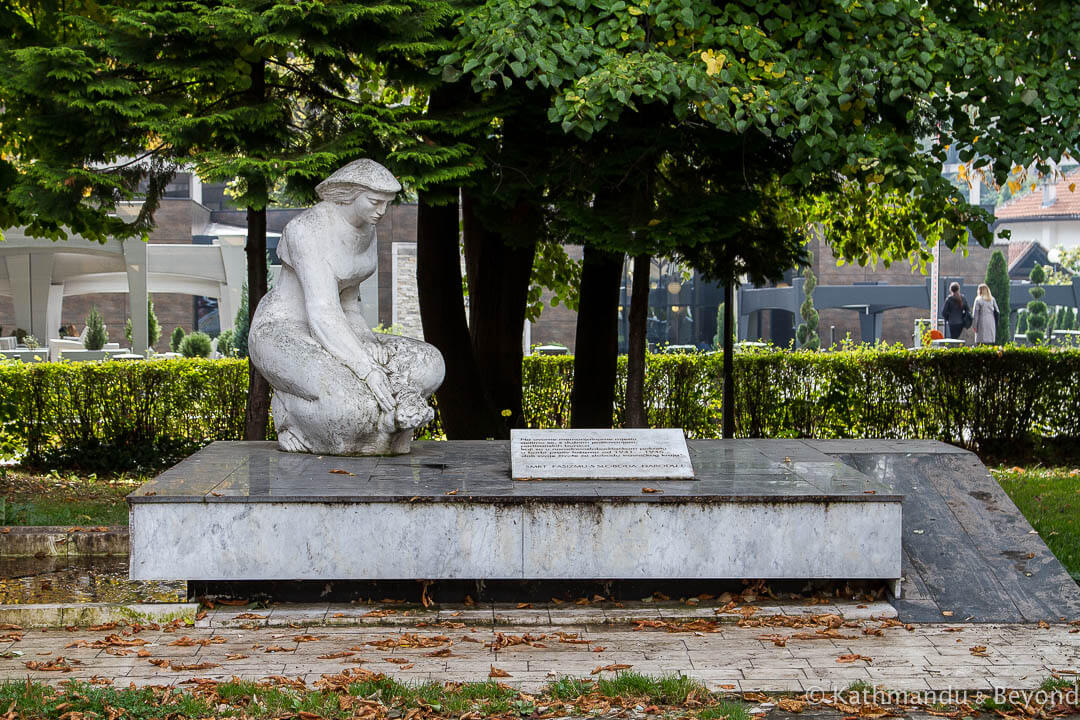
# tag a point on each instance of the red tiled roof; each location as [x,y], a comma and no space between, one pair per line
[1030,205]
[1018,249]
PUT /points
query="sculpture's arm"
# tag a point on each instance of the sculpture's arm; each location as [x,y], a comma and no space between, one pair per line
[329,325]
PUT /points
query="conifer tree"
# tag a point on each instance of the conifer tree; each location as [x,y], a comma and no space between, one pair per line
[997,279]
[806,333]
[176,338]
[96,334]
[1038,316]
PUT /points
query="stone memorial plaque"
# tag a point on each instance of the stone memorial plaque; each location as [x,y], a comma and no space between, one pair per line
[599,455]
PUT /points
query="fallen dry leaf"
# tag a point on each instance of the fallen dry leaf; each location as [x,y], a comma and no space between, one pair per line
[791,705]
[650,490]
[194,666]
[379,613]
[337,655]
[506,640]
[342,472]
[853,657]
[445,652]
[277,649]
[497,672]
[978,651]
[397,660]
[58,664]
[237,656]
[250,616]
[191,642]
[610,668]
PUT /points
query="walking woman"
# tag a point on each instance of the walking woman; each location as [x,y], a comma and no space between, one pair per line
[955,313]
[986,316]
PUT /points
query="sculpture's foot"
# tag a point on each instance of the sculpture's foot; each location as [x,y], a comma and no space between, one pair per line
[412,411]
[292,441]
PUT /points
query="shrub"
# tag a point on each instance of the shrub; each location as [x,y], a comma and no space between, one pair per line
[807,333]
[225,346]
[718,339]
[997,279]
[153,328]
[96,334]
[197,344]
[144,414]
[119,415]
[242,325]
[1038,322]
[176,339]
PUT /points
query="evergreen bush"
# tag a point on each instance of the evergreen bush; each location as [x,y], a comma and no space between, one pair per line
[242,325]
[153,328]
[997,279]
[79,413]
[718,338]
[176,339]
[197,344]
[1038,321]
[807,333]
[225,345]
[96,334]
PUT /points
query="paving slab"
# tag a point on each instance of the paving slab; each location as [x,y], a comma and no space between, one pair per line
[926,656]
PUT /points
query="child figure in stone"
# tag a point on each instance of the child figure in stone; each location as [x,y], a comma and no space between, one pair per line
[339,388]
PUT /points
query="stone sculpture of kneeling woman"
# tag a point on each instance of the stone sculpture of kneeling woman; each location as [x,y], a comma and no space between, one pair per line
[339,388]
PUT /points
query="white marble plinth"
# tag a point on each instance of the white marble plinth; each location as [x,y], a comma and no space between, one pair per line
[450,510]
[558,540]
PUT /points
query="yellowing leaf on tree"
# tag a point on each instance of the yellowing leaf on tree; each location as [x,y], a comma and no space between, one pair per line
[1072,187]
[1014,187]
[635,10]
[714,61]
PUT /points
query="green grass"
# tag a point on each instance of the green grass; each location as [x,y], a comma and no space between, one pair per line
[1050,499]
[53,498]
[725,710]
[60,512]
[665,690]
[1057,683]
[489,698]
[450,700]
[35,700]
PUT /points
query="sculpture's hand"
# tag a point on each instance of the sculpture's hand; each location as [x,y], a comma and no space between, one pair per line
[380,354]
[379,385]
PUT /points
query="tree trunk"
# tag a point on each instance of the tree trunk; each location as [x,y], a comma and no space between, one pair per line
[499,268]
[597,340]
[257,415]
[637,345]
[728,399]
[465,410]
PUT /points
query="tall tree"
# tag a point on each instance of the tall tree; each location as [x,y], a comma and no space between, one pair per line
[264,94]
[834,91]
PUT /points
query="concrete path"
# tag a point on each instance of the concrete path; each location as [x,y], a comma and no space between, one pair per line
[777,649]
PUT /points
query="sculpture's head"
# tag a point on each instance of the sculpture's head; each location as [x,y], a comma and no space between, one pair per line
[363,189]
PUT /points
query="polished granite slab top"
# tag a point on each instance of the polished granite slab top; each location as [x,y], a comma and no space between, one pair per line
[776,471]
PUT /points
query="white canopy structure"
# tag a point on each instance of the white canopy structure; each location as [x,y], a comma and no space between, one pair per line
[39,273]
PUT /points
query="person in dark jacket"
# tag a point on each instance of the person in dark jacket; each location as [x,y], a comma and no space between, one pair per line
[953,312]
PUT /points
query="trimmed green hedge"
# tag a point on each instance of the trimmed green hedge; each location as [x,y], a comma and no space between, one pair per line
[121,408]
[968,397]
